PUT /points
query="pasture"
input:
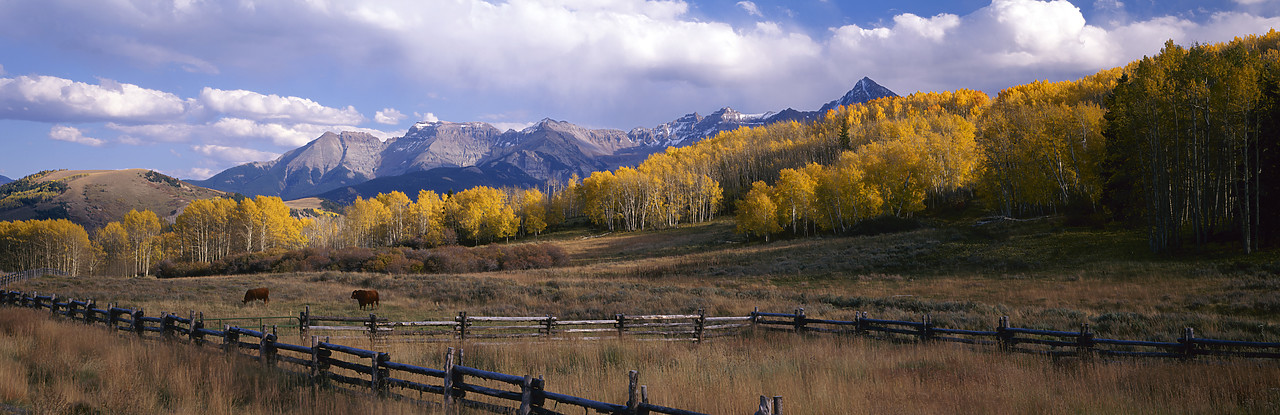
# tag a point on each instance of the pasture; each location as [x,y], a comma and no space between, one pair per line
[963,275]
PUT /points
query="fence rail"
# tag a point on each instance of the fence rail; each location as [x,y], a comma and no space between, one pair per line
[1082,344]
[327,363]
[13,277]
[673,327]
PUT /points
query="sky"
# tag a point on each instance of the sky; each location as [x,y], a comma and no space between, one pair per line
[192,87]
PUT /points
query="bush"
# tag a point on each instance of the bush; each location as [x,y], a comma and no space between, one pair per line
[400,260]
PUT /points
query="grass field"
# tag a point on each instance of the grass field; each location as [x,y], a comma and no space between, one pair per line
[964,275]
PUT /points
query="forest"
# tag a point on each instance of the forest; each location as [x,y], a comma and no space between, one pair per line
[1182,145]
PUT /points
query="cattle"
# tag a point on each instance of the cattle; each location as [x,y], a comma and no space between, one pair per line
[366,298]
[257,294]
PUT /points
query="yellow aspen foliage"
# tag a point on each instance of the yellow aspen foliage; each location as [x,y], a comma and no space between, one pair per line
[399,222]
[898,172]
[427,216]
[143,229]
[533,211]
[794,195]
[757,213]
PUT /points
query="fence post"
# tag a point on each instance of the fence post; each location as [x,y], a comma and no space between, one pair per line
[267,349]
[194,333]
[755,316]
[549,325]
[138,324]
[700,325]
[777,405]
[526,396]
[1084,343]
[373,327]
[230,338]
[111,316]
[765,406]
[926,329]
[449,382]
[1188,343]
[621,325]
[462,325]
[633,392]
[1003,337]
[53,304]
[166,326]
[380,373]
[799,320]
[315,361]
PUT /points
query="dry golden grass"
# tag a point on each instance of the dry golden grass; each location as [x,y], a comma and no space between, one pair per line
[51,367]
[965,276]
[825,375]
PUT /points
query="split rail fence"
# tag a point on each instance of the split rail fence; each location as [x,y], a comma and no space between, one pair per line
[13,277]
[324,363]
[669,327]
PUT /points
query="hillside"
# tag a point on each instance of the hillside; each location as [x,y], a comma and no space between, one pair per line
[92,198]
[4,180]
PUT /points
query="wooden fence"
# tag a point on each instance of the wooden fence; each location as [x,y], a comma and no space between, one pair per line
[325,363]
[13,277]
[671,327]
[1083,343]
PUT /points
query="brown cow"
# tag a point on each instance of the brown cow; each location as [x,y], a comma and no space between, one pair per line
[257,294]
[366,298]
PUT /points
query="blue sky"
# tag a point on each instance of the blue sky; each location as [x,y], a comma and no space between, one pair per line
[192,87]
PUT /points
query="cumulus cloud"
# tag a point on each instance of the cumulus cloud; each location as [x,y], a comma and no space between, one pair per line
[252,105]
[234,154]
[750,8]
[388,116]
[73,135]
[614,63]
[48,98]
[1015,41]
[427,117]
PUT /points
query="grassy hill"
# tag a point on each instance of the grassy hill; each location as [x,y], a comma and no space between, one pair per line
[94,197]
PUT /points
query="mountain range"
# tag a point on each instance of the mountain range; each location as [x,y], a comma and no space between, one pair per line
[444,156]
[4,180]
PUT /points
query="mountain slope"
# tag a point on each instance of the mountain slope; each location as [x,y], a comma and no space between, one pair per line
[548,150]
[94,197]
[4,180]
[441,180]
[328,162]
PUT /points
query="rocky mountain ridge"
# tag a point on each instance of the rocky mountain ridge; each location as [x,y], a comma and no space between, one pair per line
[547,150]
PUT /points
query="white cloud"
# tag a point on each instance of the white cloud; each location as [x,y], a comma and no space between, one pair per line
[1011,42]
[252,105]
[428,117]
[613,63]
[234,154]
[504,126]
[172,132]
[388,116]
[47,98]
[197,173]
[73,135]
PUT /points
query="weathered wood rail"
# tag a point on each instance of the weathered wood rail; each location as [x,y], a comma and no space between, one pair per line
[673,327]
[13,277]
[1082,344]
[330,364]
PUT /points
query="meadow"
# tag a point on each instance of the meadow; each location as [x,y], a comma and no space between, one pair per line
[965,275]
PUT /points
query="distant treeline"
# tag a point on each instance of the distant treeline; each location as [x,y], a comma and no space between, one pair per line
[399,260]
